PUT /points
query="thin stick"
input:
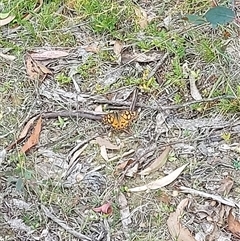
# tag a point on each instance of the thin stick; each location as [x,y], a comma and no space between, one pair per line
[64,226]
[93,115]
[218,198]
[170,107]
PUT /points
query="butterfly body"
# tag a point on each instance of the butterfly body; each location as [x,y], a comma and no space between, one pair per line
[119,120]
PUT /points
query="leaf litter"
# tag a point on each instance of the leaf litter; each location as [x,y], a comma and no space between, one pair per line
[34,137]
[141,17]
[24,132]
[8,19]
[49,54]
[233,225]
[175,227]
[160,182]
[36,70]
[157,163]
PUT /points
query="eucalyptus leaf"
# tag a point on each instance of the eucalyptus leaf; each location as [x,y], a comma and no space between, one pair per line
[195,19]
[219,15]
[19,184]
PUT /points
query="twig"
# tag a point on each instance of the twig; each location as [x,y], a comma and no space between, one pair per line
[158,65]
[218,198]
[64,226]
[121,156]
[160,108]
[93,115]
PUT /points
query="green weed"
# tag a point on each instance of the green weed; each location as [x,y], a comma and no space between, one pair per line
[177,98]
[104,15]
[229,105]
[32,219]
[175,75]
[208,49]
[89,69]
[143,83]
[236,164]
[63,79]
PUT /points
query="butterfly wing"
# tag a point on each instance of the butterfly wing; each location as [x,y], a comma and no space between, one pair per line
[119,120]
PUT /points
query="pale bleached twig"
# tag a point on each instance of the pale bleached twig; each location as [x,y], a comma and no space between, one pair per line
[218,198]
[64,226]
[120,156]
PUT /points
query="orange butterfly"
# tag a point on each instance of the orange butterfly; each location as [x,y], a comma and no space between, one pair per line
[119,120]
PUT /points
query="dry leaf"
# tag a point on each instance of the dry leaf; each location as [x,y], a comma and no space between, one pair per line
[174,226]
[43,68]
[35,69]
[142,19]
[164,198]
[225,201]
[34,138]
[99,108]
[31,68]
[93,48]
[124,164]
[161,118]
[158,162]
[117,48]
[124,210]
[167,22]
[7,20]
[105,208]
[193,88]
[226,186]
[160,182]
[192,76]
[24,132]
[50,54]
[150,56]
[132,171]
[103,152]
[233,225]
[104,142]
[7,56]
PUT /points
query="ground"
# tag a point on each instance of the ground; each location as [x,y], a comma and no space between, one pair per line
[78,68]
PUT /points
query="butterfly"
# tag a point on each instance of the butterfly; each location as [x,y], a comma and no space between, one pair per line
[119,120]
